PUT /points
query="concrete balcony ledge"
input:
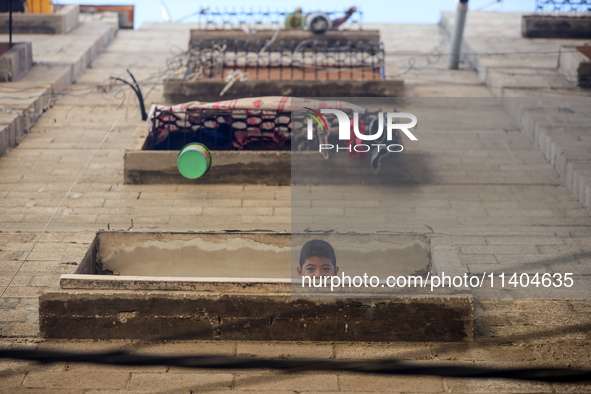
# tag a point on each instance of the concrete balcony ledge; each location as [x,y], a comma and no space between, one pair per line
[193,286]
[15,61]
[204,316]
[271,167]
[62,21]
[252,40]
[556,26]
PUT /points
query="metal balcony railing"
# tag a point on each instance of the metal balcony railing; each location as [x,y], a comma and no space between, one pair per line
[225,18]
[563,6]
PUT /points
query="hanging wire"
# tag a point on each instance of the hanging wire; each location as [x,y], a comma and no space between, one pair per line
[382,367]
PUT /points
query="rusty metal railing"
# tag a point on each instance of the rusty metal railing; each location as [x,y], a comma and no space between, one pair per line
[563,6]
[305,60]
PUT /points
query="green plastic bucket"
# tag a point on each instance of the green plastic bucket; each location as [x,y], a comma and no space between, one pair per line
[194,160]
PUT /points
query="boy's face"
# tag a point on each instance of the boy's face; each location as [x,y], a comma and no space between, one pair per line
[318,267]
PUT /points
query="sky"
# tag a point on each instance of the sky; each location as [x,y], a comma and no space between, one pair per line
[374,11]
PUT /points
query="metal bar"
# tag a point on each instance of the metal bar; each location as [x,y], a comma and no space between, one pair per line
[456,42]
[10,25]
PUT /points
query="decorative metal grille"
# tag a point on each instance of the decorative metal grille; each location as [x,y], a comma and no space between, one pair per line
[216,18]
[239,129]
[223,129]
[308,59]
[563,6]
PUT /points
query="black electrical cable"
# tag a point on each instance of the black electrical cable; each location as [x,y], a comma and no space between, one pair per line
[383,367]
[138,92]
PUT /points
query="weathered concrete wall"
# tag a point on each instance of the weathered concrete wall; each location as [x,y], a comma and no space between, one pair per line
[196,255]
[13,127]
[61,22]
[270,255]
[180,91]
[16,62]
[555,118]
[555,26]
[309,168]
[182,315]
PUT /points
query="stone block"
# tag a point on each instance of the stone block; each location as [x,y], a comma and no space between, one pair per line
[195,381]
[15,61]
[69,380]
[62,21]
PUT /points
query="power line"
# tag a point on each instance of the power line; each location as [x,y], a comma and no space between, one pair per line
[382,367]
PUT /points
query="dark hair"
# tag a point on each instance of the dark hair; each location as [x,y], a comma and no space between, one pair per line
[317,248]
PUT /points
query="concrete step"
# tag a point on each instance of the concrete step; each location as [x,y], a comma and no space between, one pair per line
[58,62]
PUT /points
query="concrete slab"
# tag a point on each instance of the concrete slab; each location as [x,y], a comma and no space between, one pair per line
[182,315]
[59,61]
[556,26]
[10,131]
[237,300]
[15,61]
[62,21]
[143,166]
[538,81]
